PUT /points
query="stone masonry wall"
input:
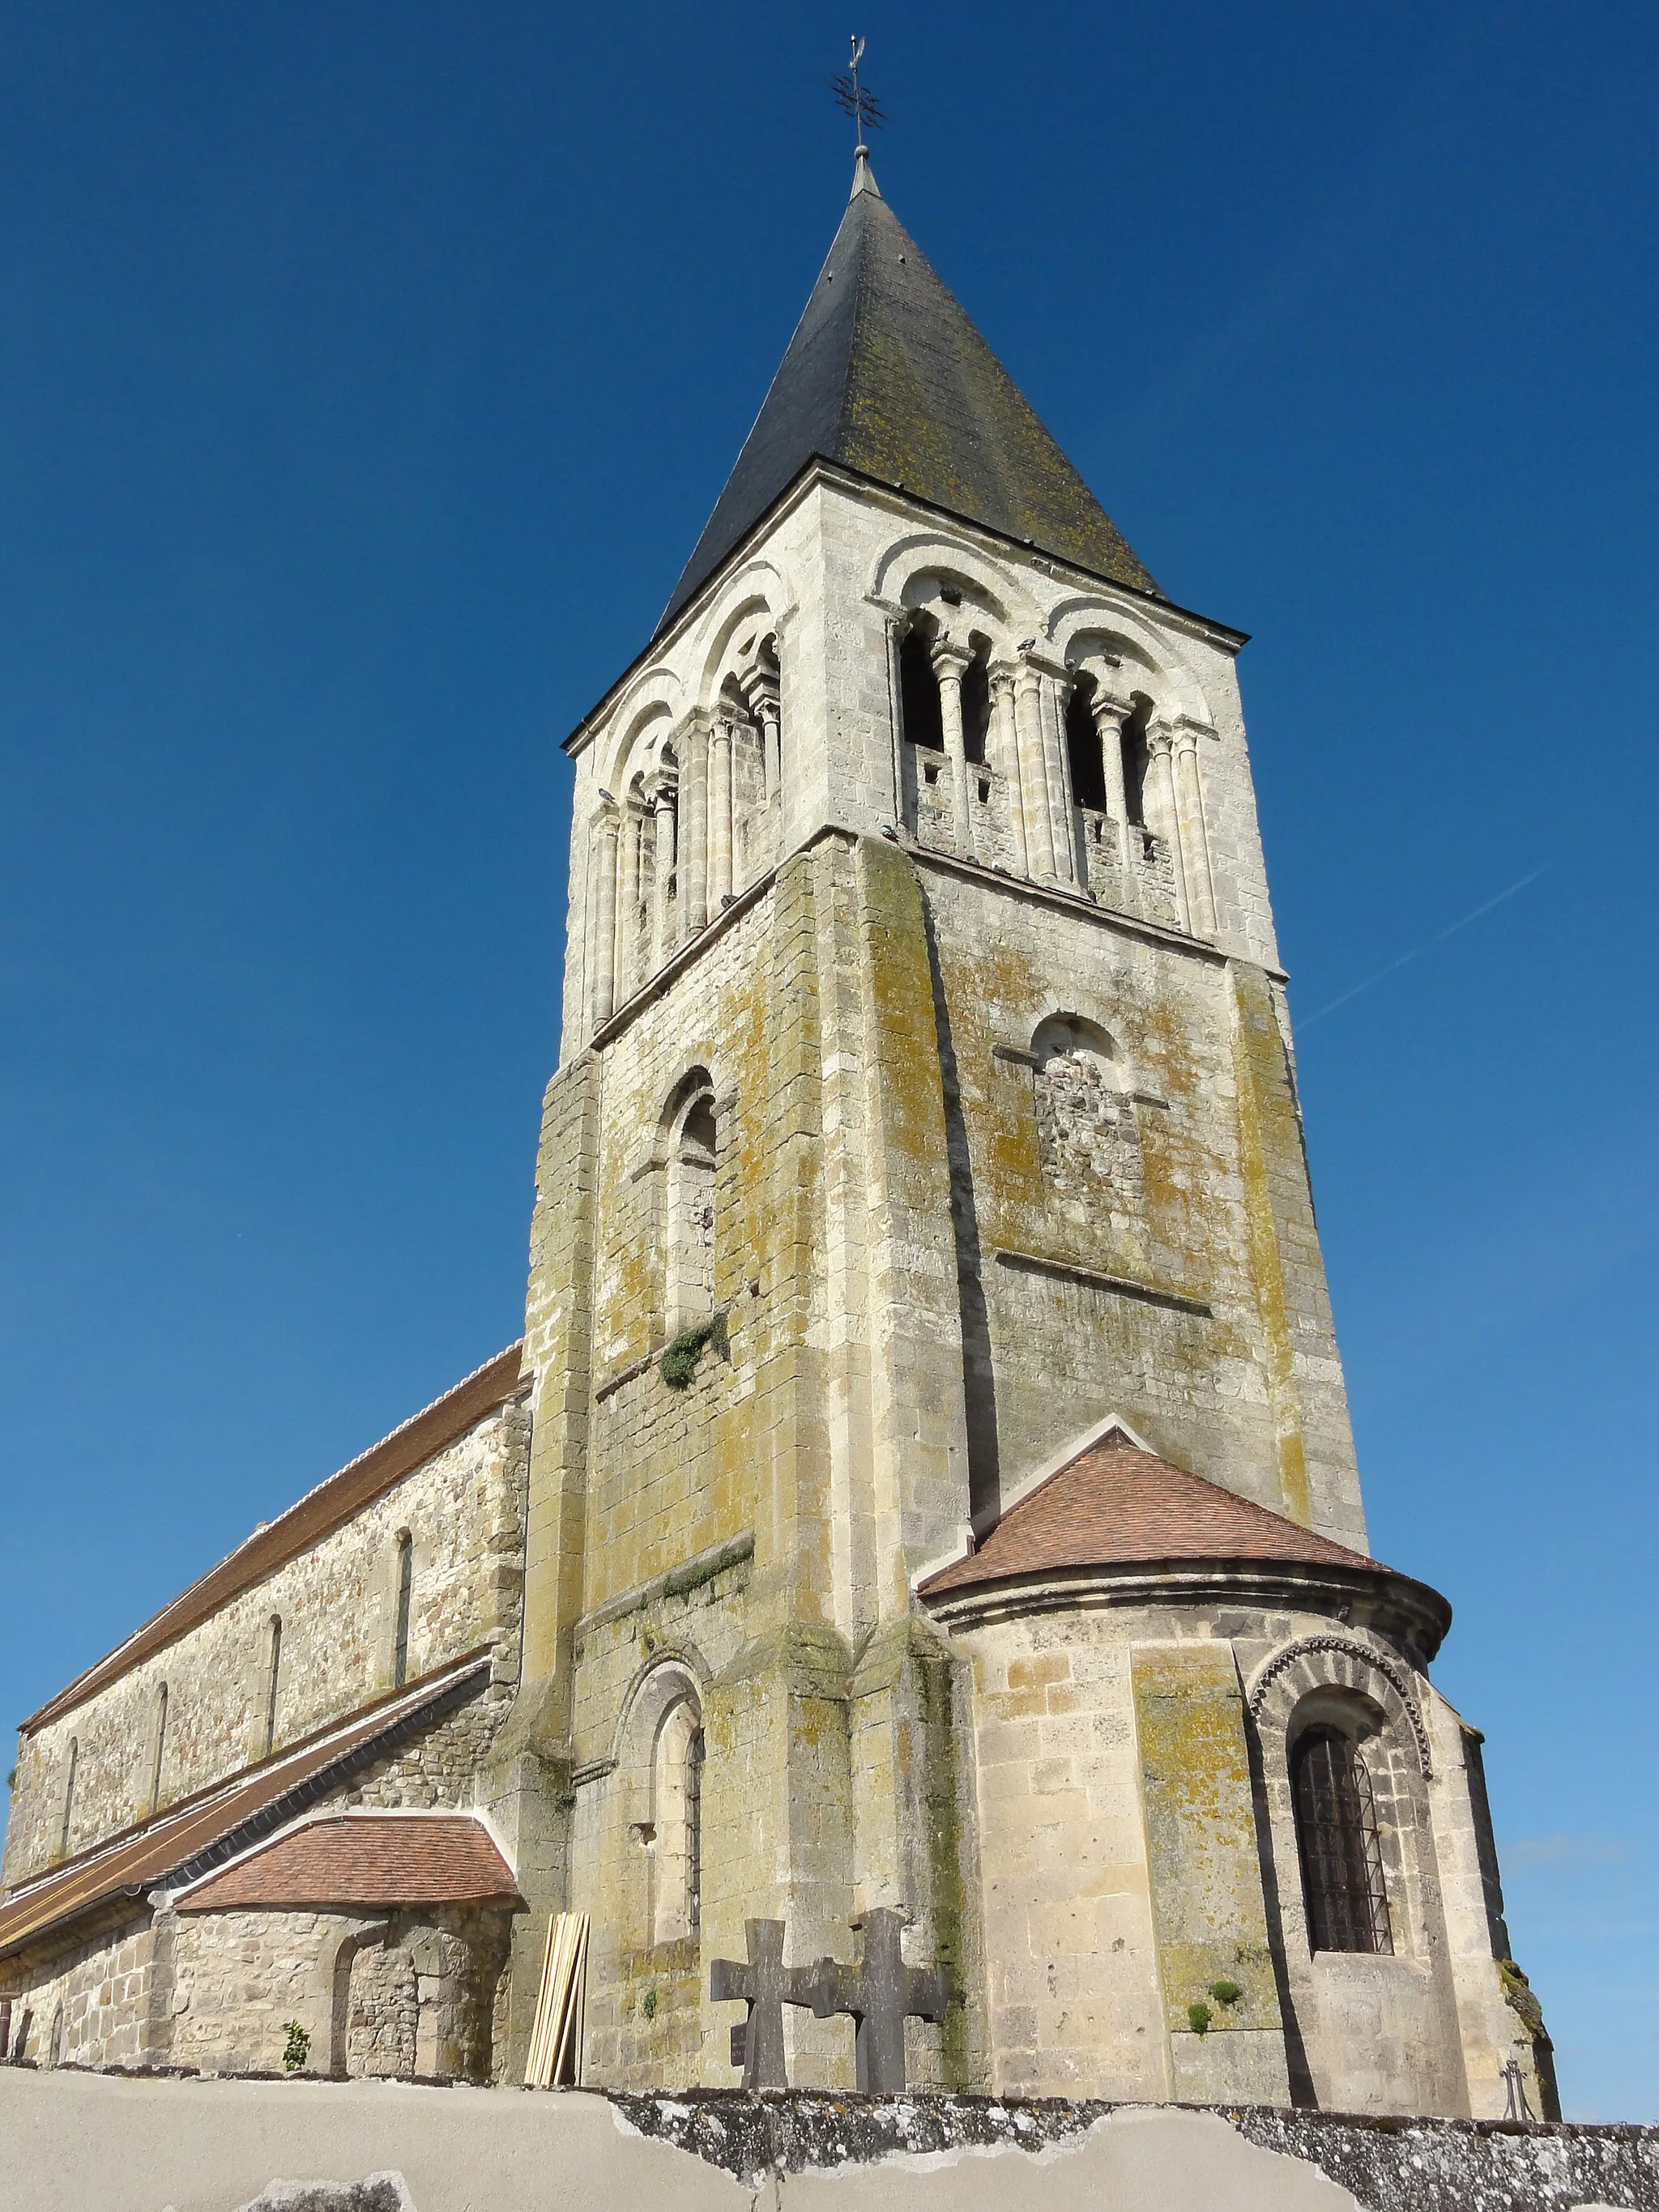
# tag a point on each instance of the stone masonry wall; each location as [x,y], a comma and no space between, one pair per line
[1095,1297]
[463,1510]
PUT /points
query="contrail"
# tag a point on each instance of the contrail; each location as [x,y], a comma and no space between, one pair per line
[1428,945]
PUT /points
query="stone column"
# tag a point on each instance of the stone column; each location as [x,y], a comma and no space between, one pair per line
[1194,842]
[1034,771]
[1168,827]
[1007,745]
[1060,781]
[628,896]
[720,816]
[661,792]
[1110,715]
[760,692]
[694,827]
[950,663]
[602,864]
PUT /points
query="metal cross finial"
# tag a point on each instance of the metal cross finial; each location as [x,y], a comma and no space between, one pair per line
[1515,2106]
[853,98]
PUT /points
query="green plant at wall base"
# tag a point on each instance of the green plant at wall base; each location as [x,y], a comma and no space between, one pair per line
[1199,2016]
[679,1361]
[1227,1993]
[648,2004]
[296,2047]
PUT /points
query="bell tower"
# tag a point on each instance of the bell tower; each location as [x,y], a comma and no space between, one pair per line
[942,1490]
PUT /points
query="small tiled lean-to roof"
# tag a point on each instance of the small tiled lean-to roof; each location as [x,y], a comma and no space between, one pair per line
[365,1858]
[1118,1505]
[886,376]
[275,1789]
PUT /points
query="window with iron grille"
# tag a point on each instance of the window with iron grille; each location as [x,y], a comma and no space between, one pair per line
[694,1832]
[1336,1836]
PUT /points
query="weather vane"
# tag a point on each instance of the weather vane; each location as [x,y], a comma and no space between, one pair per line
[852,98]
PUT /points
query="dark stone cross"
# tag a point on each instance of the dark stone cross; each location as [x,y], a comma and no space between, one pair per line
[765,1984]
[881,1992]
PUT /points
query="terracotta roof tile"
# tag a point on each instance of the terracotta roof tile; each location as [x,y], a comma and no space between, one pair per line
[129,1864]
[1117,1505]
[365,1858]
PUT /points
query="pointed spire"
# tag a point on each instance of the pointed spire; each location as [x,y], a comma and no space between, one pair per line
[886,377]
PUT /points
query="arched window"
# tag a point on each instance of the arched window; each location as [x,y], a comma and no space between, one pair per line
[1336,1837]
[160,1746]
[69,1798]
[693,1150]
[975,708]
[400,1629]
[273,1675]
[924,724]
[55,2047]
[677,1808]
[1083,748]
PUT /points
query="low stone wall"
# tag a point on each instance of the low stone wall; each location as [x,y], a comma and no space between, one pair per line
[1385,2165]
[137,2143]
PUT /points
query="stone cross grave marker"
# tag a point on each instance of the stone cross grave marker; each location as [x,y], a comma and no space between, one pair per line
[765,1984]
[880,1992]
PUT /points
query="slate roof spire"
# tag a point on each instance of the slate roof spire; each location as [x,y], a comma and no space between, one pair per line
[886,376]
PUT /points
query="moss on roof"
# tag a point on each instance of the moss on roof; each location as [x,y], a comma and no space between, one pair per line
[886,375]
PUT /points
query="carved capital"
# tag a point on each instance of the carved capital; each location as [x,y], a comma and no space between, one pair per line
[759,687]
[1110,712]
[1160,738]
[949,659]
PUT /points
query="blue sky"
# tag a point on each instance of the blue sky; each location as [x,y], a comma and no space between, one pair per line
[370,373]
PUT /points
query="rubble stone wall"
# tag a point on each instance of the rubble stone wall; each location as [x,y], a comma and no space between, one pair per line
[463,1509]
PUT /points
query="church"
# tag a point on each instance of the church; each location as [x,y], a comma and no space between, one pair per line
[922,1508]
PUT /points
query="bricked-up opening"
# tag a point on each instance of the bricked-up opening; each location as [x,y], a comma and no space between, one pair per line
[1336,1837]
[924,723]
[1083,749]
[273,1673]
[975,708]
[160,1746]
[694,1151]
[69,1798]
[406,1587]
[55,2047]
[677,1819]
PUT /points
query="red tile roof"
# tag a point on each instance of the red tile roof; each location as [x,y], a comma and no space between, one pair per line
[131,1863]
[365,1858]
[1117,1505]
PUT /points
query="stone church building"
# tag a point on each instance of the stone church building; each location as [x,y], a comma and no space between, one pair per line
[925,1480]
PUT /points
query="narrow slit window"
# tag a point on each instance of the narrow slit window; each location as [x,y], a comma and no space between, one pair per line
[694,1832]
[161,1746]
[69,1798]
[273,1677]
[400,1635]
[1341,1854]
